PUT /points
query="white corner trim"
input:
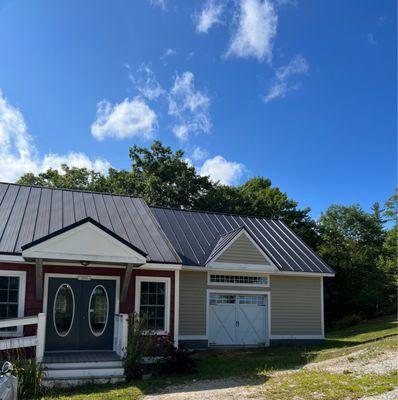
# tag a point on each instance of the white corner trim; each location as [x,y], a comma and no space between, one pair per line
[322,310]
[176,307]
[137,303]
[21,299]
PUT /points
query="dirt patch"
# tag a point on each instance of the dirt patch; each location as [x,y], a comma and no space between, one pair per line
[221,389]
[393,395]
[361,362]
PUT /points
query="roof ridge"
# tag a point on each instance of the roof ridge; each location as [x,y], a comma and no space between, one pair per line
[69,190]
[214,212]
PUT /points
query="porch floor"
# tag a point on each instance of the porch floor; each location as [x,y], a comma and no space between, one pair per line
[80,356]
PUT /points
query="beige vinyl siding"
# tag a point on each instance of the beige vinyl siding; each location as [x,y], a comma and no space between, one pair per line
[193,299]
[295,305]
[242,251]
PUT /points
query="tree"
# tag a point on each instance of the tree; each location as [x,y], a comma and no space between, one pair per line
[163,178]
[68,178]
[351,243]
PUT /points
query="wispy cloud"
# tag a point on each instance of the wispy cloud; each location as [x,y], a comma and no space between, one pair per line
[19,155]
[209,15]
[256,29]
[199,154]
[371,39]
[130,118]
[146,83]
[189,106]
[158,3]
[223,171]
[167,54]
[284,81]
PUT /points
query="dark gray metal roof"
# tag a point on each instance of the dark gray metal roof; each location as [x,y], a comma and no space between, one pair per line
[195,235]
[222,242]
[30,213]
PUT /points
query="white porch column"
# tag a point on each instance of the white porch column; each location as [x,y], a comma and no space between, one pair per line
[41,337]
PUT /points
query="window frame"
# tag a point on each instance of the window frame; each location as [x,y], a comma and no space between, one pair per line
[253,285]
[167,299]
[21,300]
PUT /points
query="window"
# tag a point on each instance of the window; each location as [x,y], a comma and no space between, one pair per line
[239,279]
[252,300]
[153,302]
[221,299]
[12,299]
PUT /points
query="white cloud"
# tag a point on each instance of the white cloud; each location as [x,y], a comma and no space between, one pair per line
[167,53]
[146,83]
[283,81]
[198,154]
[130,118]
[223,171]
[209,16]
[189,106]
[158,3]
[256,29]
[18,154]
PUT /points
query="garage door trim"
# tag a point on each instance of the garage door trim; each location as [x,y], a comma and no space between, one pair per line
[240,292]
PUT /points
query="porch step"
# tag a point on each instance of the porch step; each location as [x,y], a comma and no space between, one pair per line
[78,381]
[81,372]
[71,369]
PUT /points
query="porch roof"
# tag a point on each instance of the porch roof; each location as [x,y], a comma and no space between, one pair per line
[29,214]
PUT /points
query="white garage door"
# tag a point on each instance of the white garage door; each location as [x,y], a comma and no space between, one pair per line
[237,319]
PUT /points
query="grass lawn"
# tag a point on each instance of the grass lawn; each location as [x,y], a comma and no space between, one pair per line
[373,335]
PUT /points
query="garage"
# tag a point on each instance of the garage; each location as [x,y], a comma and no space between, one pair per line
[238,319]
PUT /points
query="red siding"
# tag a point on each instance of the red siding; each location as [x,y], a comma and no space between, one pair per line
[33,306]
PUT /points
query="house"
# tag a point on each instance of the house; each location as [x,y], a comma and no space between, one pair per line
[74,264]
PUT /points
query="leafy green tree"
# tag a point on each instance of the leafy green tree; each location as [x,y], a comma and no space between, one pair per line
[352,243]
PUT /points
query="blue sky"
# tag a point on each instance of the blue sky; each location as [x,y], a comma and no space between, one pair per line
[302,92]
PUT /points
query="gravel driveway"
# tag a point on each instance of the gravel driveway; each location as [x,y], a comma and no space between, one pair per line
[238,389]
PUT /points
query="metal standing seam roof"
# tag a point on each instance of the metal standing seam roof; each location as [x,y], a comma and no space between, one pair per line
[195,235]
[29,213]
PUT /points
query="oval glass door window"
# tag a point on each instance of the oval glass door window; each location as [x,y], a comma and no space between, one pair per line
[64,309]
[98,310]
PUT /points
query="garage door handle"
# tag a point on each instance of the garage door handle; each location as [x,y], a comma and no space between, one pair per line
[237,324]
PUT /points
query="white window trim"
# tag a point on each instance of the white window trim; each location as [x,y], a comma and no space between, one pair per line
[21,299]
[137,304]
[250,285]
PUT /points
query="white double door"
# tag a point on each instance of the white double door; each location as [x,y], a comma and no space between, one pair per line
[237,319]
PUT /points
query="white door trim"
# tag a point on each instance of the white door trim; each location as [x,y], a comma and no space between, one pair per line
[243,292]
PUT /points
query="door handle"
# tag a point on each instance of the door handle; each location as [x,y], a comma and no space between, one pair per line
[237,324]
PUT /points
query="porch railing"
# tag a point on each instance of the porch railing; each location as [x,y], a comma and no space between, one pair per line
[120,334]
[26,341]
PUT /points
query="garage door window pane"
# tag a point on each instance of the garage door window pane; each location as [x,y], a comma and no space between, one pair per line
[221,299]
[252,300]
[152,305]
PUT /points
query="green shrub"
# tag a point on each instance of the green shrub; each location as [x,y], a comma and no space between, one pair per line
[347,321]
[139,345]
[29,376]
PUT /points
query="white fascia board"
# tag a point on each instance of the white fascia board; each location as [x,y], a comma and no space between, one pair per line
[85,242]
